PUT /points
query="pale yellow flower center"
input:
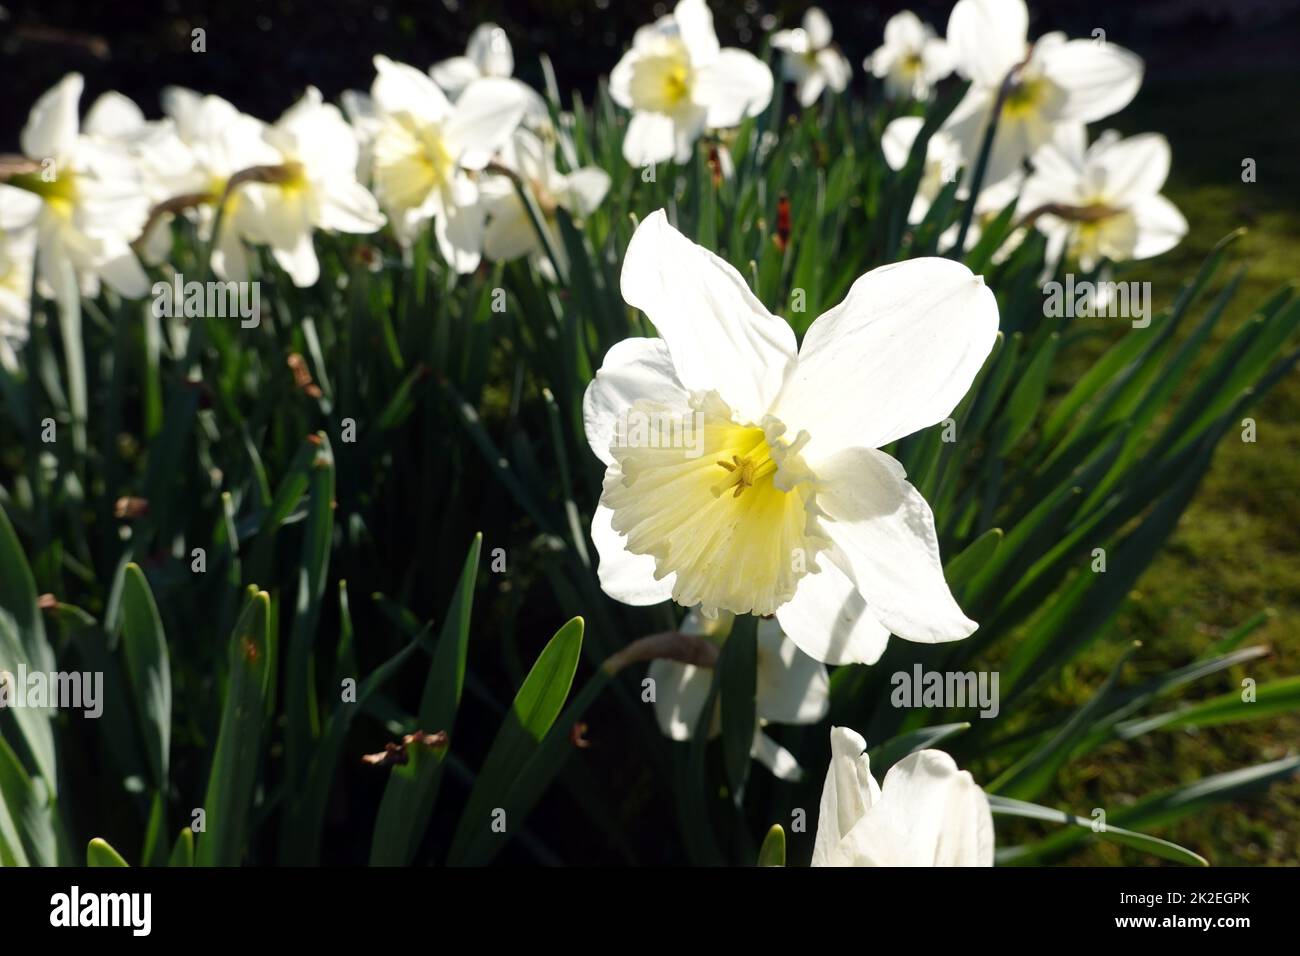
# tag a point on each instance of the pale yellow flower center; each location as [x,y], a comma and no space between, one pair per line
[661,81]
[731,510]
[410,161]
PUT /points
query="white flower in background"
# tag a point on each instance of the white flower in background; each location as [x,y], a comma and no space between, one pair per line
[943,159]
[809,60]
[911,60]
[422,148]
[1103,202]
[313,186]
[222,142]
[779,502]
[928,813]
[792,689]
[18,212]
[93,201]
[488,54]
[678,82]
[1055,81]
[510,231]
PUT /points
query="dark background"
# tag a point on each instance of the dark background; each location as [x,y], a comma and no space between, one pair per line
[262,53]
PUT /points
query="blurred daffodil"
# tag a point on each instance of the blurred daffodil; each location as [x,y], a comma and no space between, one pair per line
[776,500]
[510,231]
[810,60]
[1103,202]
[792,689]
[1050,82]
[911,60]
[422,149]
[93,202]
[678,81]
[313,186]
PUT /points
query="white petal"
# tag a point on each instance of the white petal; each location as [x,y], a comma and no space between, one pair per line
[454,74]
[904,31]
[792,687]
[399,88]
[633,369]
[1098,80]
[114,116]
[829,620]
[1134,168]
[459,234]
[835,67]
[125,274]
[809,88]
[847,794]
[818,28]
[695,22]
[584,189]
[299,260]
[649,139]
[348,206]
[510,233]
[485,115]
[625,576]
[718,333]
[681,691]
[489,50]
[1160,226]
[896,142]
[51,130]
[987,38]
[895,356]
[775,758]
[942,814]
[885,530]
[736,85]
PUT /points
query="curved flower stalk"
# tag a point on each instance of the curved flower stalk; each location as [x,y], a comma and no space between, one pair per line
[93,202]
[792,689]
[943,160]
[927,813]
[421,149]
[1035,87]
[744,476]
[810,60]
[18,212]
[488,54]
[911,60]
[1103,202]
[678,81]
[510,232]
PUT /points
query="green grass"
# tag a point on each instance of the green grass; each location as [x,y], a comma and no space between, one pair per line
[1236,550]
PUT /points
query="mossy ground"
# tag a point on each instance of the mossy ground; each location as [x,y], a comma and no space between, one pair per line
[1237,549]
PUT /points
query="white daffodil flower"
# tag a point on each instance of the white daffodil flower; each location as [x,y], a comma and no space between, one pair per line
[1055,81]
[222,142]
[94,203]
[943,159]
[911,60]
[1103,202]
[742,475]
[18,212]
[792,689]
[312,186]
[927,813]
[677,82]
[510,231]
[809,60]
[422,149]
